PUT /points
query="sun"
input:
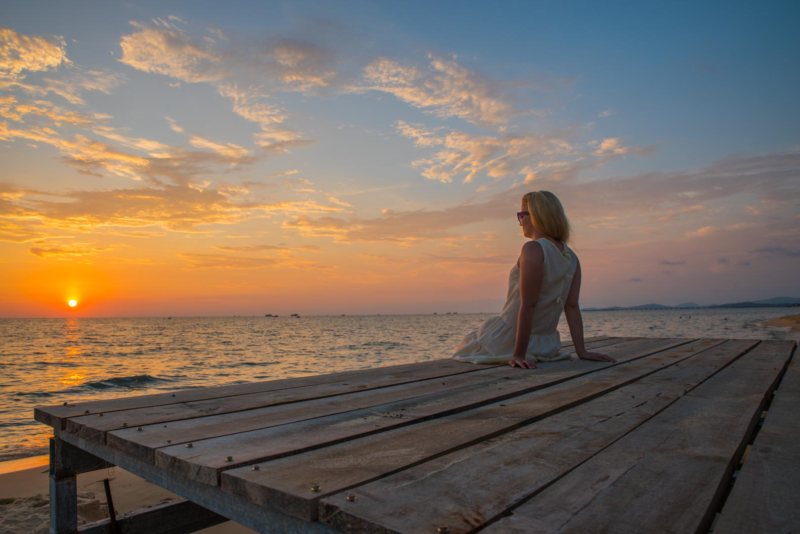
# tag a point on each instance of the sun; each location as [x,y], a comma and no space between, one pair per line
[72,303]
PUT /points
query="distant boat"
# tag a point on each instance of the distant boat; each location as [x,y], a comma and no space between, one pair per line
[295,315]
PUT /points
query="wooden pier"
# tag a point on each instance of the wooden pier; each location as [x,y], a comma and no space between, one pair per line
[679,435]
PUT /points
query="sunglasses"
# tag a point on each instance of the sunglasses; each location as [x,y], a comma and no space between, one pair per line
[521,215]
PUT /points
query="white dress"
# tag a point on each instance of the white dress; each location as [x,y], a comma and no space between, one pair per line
[494,341]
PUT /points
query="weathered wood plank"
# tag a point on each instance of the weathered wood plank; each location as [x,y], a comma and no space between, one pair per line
[55,416]
[465,489]
[286,483]
[234,508]
[95,427]
[206,459]
[142,443]
[68,460]
[177,517]
[766,495]
[669,474]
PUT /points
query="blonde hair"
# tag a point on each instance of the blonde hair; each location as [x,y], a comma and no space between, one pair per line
[547,214]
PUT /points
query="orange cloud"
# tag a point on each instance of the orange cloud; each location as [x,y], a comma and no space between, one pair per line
[59,251]
[170,51]
[171,207]
[20,53]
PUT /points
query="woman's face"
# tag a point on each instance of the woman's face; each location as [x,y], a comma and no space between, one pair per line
[526,223]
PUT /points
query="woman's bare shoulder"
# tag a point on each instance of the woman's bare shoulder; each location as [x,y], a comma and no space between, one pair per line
[532,251]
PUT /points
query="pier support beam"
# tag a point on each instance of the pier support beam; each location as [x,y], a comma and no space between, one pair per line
[179,517]
[66,463]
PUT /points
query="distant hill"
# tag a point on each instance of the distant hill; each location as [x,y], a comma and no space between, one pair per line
[768,303]
[779,300]
[649,307]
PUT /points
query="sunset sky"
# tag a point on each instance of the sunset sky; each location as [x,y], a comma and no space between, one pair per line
[240,158]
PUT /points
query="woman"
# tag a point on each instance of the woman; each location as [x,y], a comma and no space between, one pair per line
[545,280]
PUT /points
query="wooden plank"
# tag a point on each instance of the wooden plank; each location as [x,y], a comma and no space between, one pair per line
[766,495]
[205,460]
[95,427]
[234,508]
[56,415]
[513,466]
[142,443]
[285,483]
[176,517]
[669,474]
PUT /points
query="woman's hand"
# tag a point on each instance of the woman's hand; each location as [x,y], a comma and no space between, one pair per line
[596,356]
[522,363]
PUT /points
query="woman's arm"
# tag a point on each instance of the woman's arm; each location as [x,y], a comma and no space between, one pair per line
[573,313]
[531,274]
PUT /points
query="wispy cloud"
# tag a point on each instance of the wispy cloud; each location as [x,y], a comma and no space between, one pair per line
[444,89]
[766,176]
[46,250]
[171,207]
[20,53]
[172,52]
[219,261]
[778,251]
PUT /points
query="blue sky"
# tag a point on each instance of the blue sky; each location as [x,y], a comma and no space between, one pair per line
[380,145]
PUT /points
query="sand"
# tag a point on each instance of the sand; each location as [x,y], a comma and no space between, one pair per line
[791,321]
[25,501]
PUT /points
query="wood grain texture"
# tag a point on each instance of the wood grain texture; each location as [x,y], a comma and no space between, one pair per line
[669,474]
[93,427]
[466,489]
[162,408]
[766,495]
[206,459]
[285,483]
[56,415]
[143,443]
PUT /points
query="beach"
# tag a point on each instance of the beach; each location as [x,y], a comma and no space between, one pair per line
[790,321]
[24,499]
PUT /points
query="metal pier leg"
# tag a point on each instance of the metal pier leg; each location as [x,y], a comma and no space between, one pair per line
[66,463]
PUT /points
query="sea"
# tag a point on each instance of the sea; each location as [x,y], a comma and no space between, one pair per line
[51,361]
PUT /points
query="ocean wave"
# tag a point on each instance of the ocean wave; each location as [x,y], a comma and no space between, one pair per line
[382,344]
[42,394]
[124,382]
